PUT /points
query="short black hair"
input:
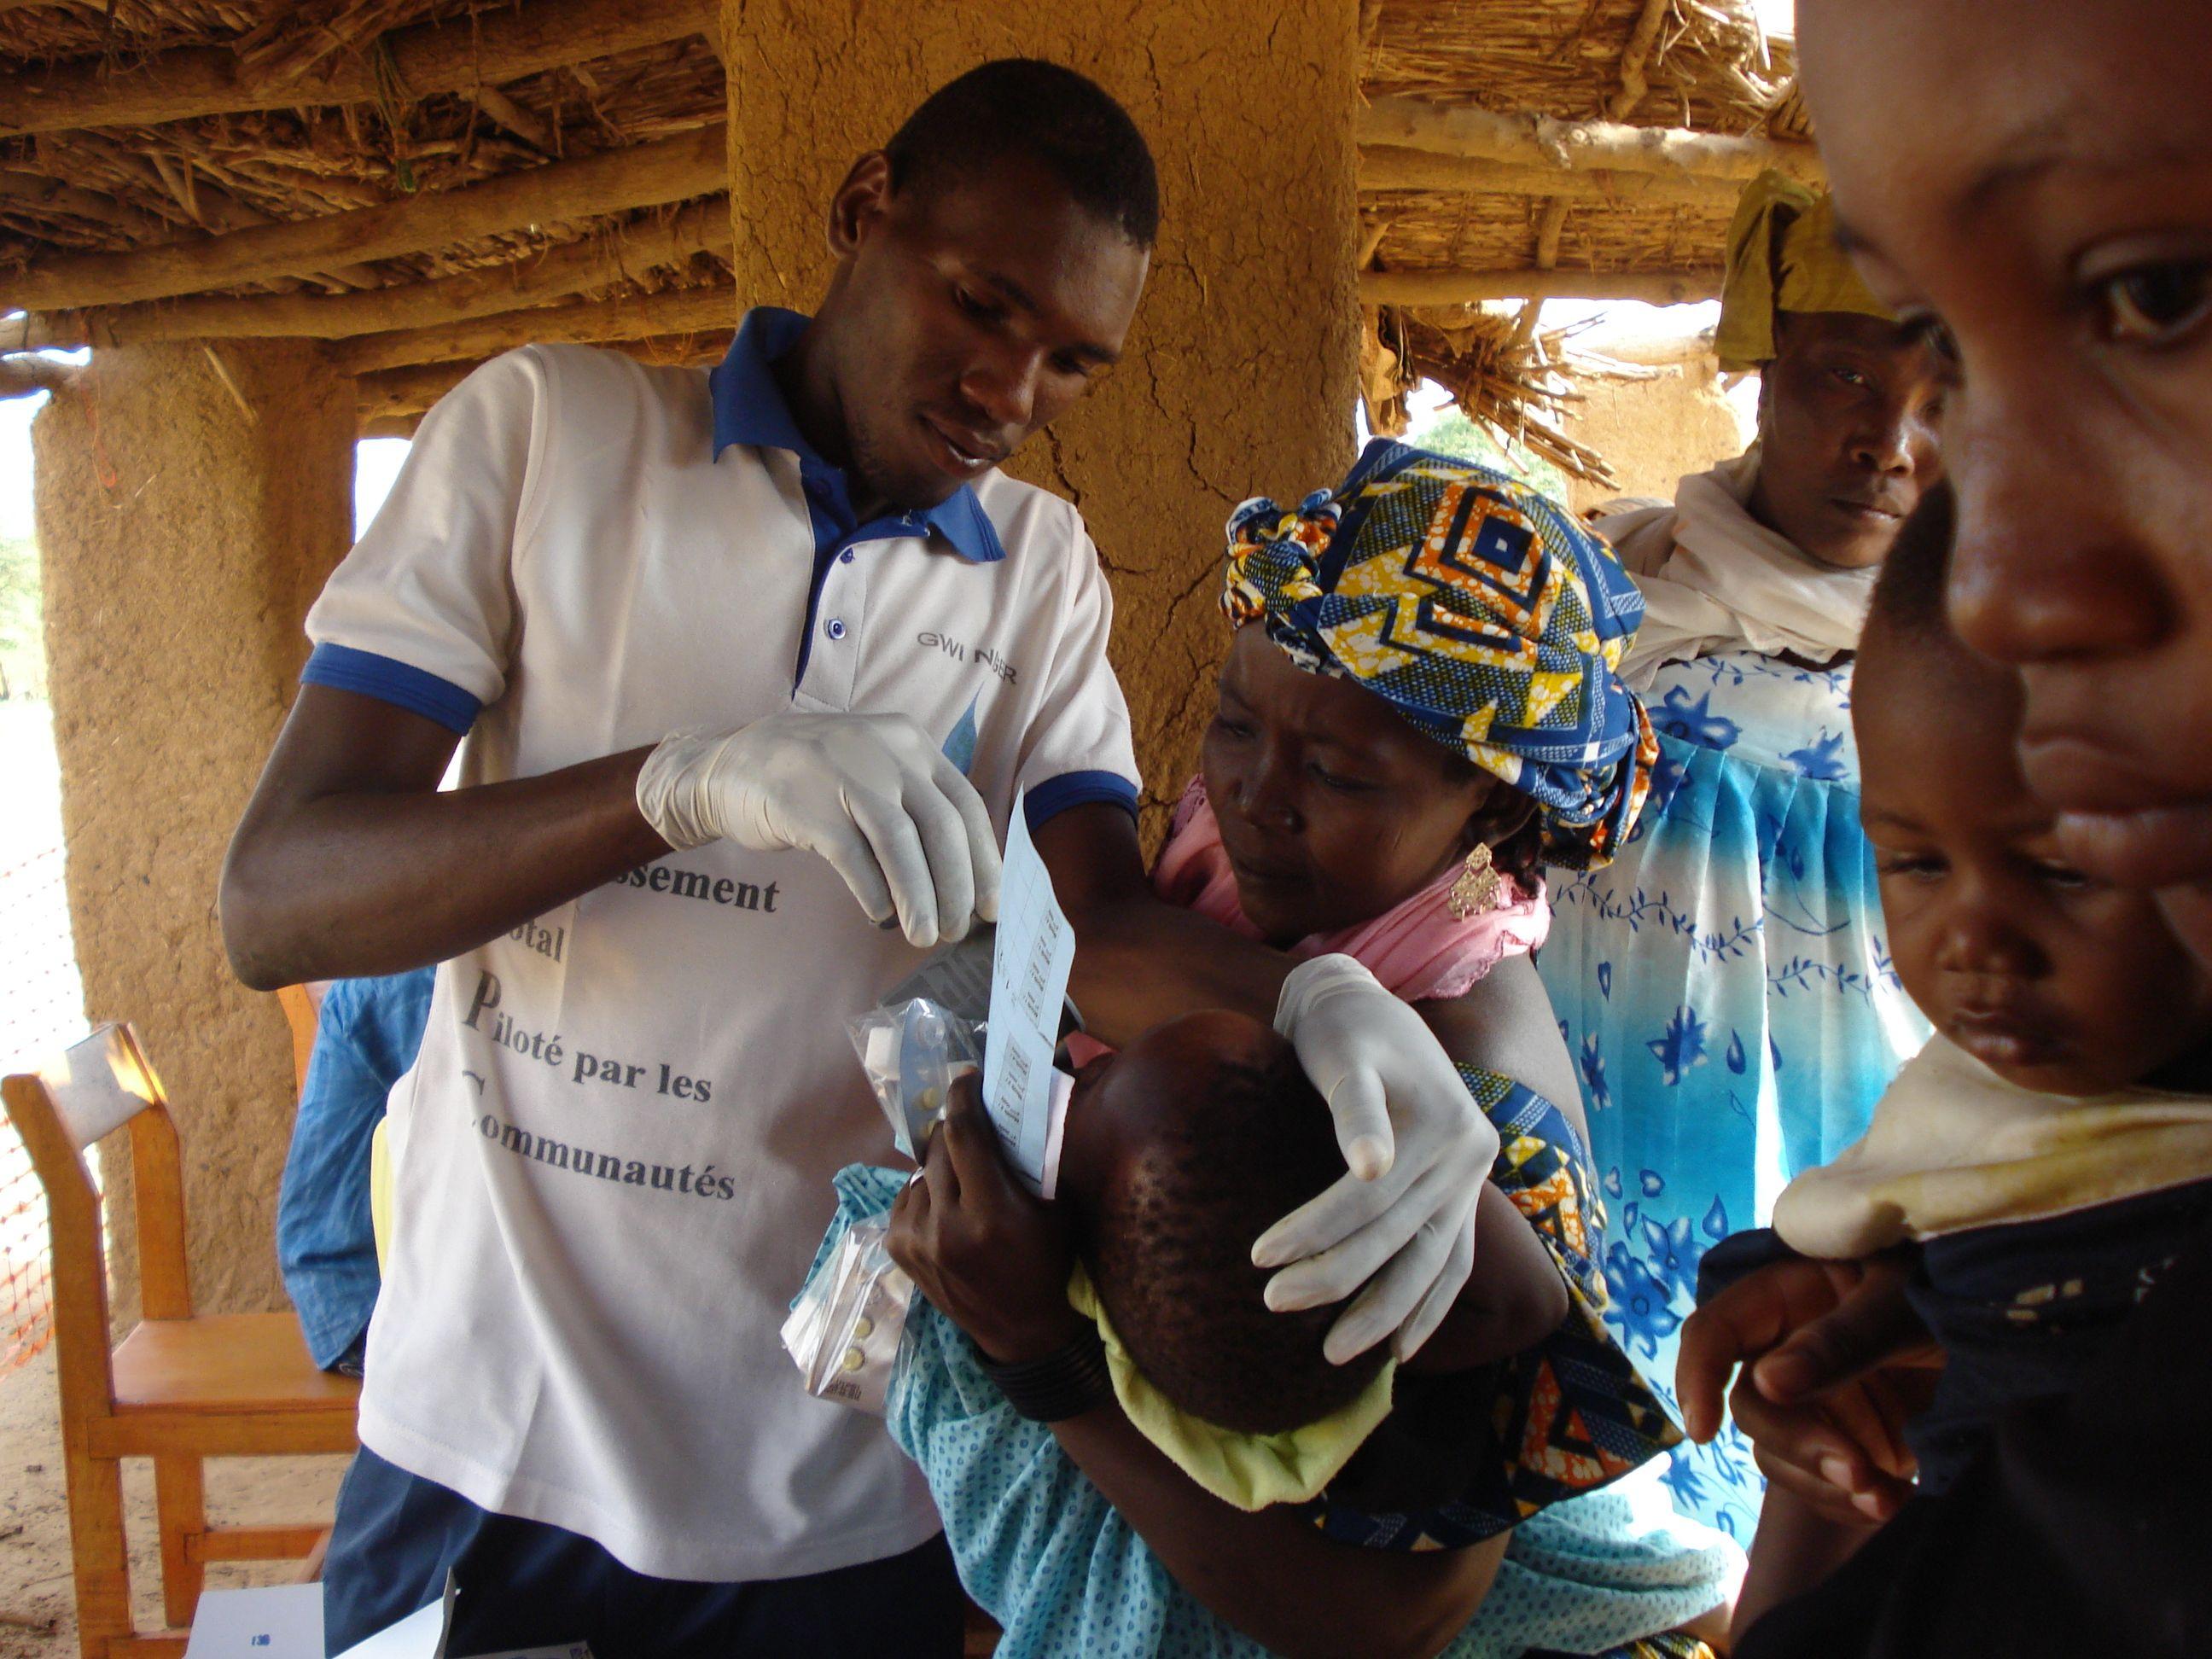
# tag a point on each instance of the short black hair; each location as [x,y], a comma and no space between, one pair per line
[1909,595]
[1169,1250]
[1027,106]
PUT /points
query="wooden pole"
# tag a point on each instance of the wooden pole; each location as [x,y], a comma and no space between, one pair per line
[21,377]
[1454,288]
[407,390]
[393,394]
[1393,166]
[1580,146]
[388,425]
[210,208]
[501,44]
[681,311]
[599,261]
[36,190]
[643,175]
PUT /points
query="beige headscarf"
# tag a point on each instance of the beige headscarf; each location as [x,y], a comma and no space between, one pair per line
[1953,1146]
[1782,256]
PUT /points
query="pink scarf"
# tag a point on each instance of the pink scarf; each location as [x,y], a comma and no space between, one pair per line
[1419,951]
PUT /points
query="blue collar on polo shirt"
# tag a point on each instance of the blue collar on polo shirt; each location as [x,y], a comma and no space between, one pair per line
[749,409]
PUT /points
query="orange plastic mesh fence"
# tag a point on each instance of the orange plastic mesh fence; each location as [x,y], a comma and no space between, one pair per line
[41,1010]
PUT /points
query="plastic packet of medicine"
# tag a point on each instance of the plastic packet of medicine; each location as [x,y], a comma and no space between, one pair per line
[844,1331]
[911,1053]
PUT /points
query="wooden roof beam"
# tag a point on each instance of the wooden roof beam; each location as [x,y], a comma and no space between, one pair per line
[597,261]
[407,390]
[213,208]
[1391,167]
[21,377]
[1457,288]
[393,393]
[590,322]
[502,44]
[643,175]
[1535,141]
[36,190]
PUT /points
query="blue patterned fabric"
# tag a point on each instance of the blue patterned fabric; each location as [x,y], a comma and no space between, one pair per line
[1485,614]
[1567,1416]
[1725,988]
[366,1034]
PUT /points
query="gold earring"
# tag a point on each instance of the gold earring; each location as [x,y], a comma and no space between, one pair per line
[1478,887]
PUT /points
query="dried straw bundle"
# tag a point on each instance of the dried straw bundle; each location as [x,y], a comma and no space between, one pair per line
[1515,387]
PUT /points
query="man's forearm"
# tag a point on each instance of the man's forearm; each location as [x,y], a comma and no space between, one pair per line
[1142,961]
[355,882]
[1139,960]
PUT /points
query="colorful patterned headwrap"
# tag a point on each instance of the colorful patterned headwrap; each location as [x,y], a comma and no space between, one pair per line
[1481,612]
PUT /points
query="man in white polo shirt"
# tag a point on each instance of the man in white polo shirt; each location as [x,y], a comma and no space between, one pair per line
[729,652]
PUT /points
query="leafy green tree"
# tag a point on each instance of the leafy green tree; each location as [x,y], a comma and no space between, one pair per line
[1449,432]
[22,649]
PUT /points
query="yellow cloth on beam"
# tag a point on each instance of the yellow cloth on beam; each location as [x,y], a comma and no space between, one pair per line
[1249,1471]
[1782,256]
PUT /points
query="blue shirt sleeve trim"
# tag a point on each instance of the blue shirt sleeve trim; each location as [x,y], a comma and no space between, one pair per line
[402,684]
[1048,800]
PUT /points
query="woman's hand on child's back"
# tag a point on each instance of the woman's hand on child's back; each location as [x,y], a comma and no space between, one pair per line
[989,1257]
[1834,1363]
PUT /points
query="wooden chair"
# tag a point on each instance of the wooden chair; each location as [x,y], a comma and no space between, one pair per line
[178,1389]
[303,1012]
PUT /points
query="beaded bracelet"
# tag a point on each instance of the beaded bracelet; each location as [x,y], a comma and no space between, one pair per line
[1061,1385]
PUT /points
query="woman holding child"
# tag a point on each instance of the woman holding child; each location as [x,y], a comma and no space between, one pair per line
[1725,983]
[1420,708]
[2040,201]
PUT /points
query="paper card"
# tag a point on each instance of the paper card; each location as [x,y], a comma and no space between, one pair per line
[421,1635]
[283,1622]
[1029,963]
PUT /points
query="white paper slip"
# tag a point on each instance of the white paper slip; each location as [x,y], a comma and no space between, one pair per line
[1030,963]
[421,1635]
[283,1622]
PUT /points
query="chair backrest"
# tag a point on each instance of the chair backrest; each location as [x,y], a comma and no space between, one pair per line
[87,1092]
[303,1011]
[99,1085]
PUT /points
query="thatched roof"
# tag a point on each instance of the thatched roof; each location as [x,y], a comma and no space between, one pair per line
[213,168]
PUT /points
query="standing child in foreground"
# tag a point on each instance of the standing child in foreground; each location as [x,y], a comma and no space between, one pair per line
[2050,1149]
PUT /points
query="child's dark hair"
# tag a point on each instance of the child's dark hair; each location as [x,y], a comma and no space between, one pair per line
[1169,1250]
[1909,595]
[1026,106]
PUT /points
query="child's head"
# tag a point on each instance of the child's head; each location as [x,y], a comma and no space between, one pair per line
[2061,984]
[1180,1151]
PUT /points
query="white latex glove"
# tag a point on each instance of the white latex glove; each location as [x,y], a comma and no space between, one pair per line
[1419,1148]
[869,793]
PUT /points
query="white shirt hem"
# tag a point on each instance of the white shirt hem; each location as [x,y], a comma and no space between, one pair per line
[504,1492]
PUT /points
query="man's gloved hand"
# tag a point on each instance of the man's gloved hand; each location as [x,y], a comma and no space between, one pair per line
[869,793]
[1419,1150]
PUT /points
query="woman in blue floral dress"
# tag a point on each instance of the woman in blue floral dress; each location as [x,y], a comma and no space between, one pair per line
[1725,984]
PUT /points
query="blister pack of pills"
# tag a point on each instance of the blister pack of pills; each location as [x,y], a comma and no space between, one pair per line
[912,1052]
[844,1331]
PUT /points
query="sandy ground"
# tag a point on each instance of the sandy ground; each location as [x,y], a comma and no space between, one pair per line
[34,1547]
